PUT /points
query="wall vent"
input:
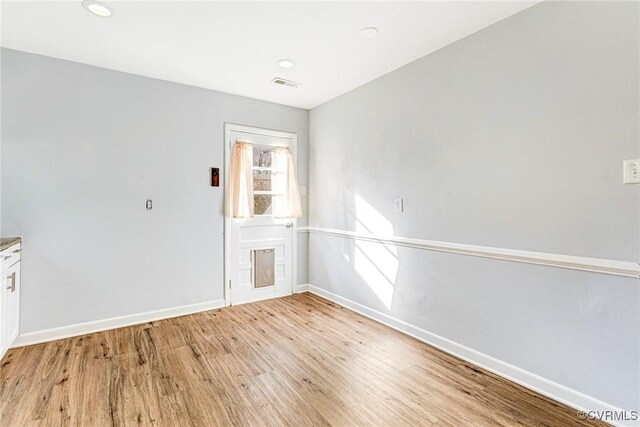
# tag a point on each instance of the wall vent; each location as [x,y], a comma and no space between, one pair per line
[284,82]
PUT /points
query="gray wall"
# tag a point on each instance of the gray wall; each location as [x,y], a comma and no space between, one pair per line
[82,149]
[513,137]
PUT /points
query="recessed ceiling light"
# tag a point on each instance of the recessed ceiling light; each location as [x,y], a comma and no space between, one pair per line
[97,8]
[369,32]
[286,63]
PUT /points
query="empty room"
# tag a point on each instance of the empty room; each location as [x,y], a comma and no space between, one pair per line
[319,213]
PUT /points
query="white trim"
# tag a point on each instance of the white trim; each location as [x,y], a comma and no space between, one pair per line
[228,128]
[527,379]
[594,265]
[53,334]
[302,288]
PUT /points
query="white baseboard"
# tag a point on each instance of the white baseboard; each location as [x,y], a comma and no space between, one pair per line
[527,379]
[302,288]
[53,334]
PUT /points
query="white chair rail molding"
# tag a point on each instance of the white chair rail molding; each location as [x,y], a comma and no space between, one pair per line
[595,265]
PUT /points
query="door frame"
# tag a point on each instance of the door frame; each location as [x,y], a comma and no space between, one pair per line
[228,128]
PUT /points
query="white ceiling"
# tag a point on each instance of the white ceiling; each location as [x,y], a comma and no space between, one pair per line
[232,46]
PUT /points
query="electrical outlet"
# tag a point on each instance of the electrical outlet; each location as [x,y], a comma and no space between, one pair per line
[631,171]
[399,203]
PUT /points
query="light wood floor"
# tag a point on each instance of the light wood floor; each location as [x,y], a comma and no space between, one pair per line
[297,361]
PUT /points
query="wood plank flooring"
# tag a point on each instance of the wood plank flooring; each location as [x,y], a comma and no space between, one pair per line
[293,361]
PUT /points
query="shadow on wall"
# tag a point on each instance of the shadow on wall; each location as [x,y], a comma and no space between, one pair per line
[376,263]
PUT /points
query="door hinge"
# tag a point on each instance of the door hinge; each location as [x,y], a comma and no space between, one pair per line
[229,284]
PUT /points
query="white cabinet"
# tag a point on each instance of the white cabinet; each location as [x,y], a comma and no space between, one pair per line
[9,296]
[11,304]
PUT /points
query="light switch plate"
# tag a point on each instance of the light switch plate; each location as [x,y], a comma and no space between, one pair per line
[631,171]
[399,203]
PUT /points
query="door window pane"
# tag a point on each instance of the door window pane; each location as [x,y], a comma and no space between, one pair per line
[262,156]
[262,204]
[261,180]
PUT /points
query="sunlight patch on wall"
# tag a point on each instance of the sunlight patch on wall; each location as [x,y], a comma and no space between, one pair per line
[369,220]
[376,263]
[372,276]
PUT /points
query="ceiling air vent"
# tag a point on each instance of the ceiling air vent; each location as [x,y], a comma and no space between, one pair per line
[284,82]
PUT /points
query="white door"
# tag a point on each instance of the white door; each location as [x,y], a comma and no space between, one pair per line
[260,251]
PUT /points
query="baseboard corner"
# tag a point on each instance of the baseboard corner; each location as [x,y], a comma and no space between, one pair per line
[302,288]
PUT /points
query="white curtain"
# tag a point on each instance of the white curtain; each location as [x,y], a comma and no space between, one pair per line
[287,203]
[242,180]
